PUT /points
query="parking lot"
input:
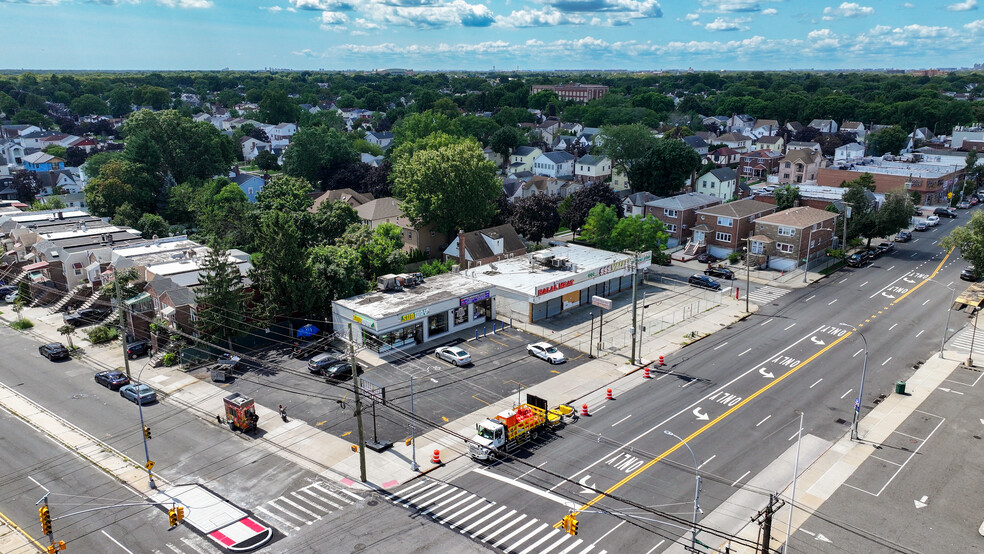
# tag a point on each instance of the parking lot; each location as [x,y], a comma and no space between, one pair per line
[442,392]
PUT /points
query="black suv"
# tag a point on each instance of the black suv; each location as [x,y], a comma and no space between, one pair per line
[137,348]
[944,212]
[858,259]
[86,316]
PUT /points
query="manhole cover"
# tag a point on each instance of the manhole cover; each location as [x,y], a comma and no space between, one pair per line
[359,547]
[841,421]
[372,502]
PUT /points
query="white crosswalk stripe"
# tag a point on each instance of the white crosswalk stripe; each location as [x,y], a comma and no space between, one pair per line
[963,339]
[486,521]
[766,294]
[195,545]
[304,506]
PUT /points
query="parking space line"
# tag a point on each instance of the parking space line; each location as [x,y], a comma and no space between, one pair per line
[480,400]
[497,342]
[910,436]
[886,461]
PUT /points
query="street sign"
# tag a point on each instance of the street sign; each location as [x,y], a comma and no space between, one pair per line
[376,392]
[149,465]
[857,405]
[601,302]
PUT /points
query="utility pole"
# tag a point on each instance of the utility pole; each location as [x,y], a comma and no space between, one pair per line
[413,432]
[642,318]
[748,269]
[358,405]
[764,519]
[119,306]
[635,300]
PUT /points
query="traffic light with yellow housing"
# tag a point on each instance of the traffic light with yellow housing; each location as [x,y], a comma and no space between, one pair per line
[45,519]
[52,548]
[573,526]
[179,512]
[172,517]
[147,433]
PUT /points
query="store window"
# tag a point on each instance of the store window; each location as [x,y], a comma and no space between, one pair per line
[461,315]
[406,336]
[437,324]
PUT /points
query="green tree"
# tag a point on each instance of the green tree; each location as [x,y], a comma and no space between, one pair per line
[220,298]
[420,125]
[267,161]
[168,143]
[504,141]
[94,163]
[32,117]
[280,270]
[599,225]
[786,197]
[969,239]
[151,225]
[332,220]
[447,108]
[380,249]
[452,188]
[639,234]
[67,331]
[283,193]
[57,151]
[857,197]
[664,168]
[277,107]
[623,144]
[89,104]
[888,141]
[315,153]
[224,213]
[574,209]
[120,182]
[336,273]
[894,215]
[536,217]
[120,102]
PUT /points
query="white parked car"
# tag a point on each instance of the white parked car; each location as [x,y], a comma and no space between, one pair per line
[546,351]
[453,355]
[933,220]
[11,298]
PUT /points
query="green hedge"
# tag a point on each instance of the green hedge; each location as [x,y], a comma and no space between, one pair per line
[101,334]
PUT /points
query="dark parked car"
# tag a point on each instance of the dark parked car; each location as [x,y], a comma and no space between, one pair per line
[112,380]
[706,258]
[322,361]
[338,371]
[858,259]
[53,351]
[921,226]
[704,281]
[885,247]
[969,274]
[720,272]
[945,212]
[903,236]
[86,316]
[137,348]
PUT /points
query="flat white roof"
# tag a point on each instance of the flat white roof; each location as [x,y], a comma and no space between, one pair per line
[46,216]
[523,276]
[381,304]
[163,245]
[87,232]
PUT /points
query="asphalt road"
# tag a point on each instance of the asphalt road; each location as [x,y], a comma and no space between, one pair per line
[734,396]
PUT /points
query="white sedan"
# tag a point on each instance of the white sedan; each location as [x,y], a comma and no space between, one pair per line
[933,220]
[546,351]
[453,355]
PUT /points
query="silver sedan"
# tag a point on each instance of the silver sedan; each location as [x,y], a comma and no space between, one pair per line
[453,355]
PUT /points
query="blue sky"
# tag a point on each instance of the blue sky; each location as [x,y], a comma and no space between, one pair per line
[482,34]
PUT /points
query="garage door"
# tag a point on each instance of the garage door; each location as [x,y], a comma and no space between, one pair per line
[555,306]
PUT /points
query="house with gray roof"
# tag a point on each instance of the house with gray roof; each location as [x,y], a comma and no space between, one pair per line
[679,213]
[554,164]
[723,228]
[522,158]
[592,169]
[697,143]
[721,182]
[485,246]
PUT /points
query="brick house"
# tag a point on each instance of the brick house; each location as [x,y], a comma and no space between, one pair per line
[679,213]
[723,228]
[784,239]
[759,164]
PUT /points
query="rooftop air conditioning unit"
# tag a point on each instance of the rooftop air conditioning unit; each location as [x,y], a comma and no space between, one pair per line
[387,282]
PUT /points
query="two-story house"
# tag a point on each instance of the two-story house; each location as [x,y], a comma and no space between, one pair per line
[485,246]
[783,239]
[721,182]
[380,138]
[724,156]
[592,169]
[40,161]
[387,210]
[764,128]
[800,166]
[724,227]
[735,141]
[769,142]
[759,164]
[252,147]
[554,164]
[679,213]
[522,159]
[849,153]
[635,204]
[698,144]
[855,128]
[824,125]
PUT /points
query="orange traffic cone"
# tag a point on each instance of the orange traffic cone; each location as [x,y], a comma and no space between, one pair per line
[436,458]
[645,372]
[608,395]
[584,409]
[661,362]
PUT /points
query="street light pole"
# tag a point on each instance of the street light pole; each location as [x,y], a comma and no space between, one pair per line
[150,473]
[693,530]
[864,369]
[792,496]
[970,356]
[748,269]
[809,249]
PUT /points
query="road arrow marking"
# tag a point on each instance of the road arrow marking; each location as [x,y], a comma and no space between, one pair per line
[886,295]
[769,375]
[954,392]
[907,281]
[820,537]
[817,341]
[584,483]
[921,503]
[700,416]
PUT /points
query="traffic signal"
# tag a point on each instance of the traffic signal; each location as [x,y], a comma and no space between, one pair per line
[573,524]
[565,522]
[52,548]
[172,517]
[45,519]
[147,433]
[180,513]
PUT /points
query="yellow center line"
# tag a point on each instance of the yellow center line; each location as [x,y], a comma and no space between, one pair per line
[26,535]
[734,408]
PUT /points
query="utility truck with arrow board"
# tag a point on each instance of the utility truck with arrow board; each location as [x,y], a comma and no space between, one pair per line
[511,428]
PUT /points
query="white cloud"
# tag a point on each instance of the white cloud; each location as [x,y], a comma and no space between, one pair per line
[879,30]
[823,39]
[723,24]
[186,3]
[964,6]
[272,9]
[847,9]
[770,11]
[909,5]
[691,16]
[975,27]
[546,17]
[730,6]
[333,21]
[923,31]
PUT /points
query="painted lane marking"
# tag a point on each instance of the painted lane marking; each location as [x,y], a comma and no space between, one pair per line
[919,333]
[790,327]
[888,360]
[817,383]
[858,352]
[707,460]
[893,326]
[863,284]
[740,478]
[846,393]
[620,421]
[116,541]
[720,345]
[832,302]
[528,488]
[745,352]
[764,420]
[765,322]
[891,268]
[842,281]
[810,298]
[796,434]
[690,382]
